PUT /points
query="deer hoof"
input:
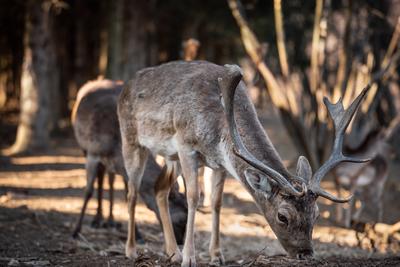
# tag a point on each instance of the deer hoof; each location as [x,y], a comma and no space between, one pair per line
[76,232]
[189,262]
[110,223]
[97,221]
[176,256]
[130,252]
[217,260]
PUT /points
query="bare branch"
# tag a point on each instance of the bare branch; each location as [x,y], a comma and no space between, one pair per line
[280,38]
[315,46]
[253,48]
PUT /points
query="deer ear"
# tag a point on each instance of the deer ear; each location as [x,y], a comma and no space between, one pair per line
[258,182]
[303,169]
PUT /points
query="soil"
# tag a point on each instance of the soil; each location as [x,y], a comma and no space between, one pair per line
[41,196]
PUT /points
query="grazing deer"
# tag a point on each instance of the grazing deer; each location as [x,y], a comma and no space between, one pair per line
[176,110]
[366,181]
[97,131]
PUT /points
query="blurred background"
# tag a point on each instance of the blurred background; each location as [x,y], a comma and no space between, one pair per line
[293,53]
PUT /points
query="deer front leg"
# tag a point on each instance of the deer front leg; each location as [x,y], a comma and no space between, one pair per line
[339,208]
[135,161]
[189,166]
[349,214]
[217,187]
[162,189]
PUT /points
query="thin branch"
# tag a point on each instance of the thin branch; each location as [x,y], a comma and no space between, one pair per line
[389,60]
[315,46]
[394,42]
[343,69]
[253,48]
[280,39]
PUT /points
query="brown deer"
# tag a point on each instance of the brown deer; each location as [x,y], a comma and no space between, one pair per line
[96,129]
[176,110]
[366,181]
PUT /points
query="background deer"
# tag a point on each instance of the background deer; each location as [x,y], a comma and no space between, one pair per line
[96,129]
[176,110]
[366,181]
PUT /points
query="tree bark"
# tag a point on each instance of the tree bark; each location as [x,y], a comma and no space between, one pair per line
[38,84]
[138,34]
[3,89]
[115,40]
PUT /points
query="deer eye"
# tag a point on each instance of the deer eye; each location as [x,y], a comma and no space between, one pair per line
[282,218]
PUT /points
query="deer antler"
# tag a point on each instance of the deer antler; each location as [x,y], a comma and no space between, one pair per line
[341,119]
[228,87]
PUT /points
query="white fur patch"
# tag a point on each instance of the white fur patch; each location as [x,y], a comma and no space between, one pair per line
[227,161]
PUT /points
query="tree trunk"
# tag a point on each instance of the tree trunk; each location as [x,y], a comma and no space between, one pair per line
[3,89]
[50,79]
[38,84]
[138,30]
[115,40]
[81,46]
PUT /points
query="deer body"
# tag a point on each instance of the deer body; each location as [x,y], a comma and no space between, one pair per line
[186,108]
[185,111]
[366,181]
[97,132]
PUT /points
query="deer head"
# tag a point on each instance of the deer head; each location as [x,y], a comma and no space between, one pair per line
[288,201]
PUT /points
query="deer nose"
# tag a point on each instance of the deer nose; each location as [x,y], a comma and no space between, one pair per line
[305,254]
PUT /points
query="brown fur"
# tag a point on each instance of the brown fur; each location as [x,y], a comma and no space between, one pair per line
[366,181]
[175,110]
[97,132]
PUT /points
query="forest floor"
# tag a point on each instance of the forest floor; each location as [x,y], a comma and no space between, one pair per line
[41,196]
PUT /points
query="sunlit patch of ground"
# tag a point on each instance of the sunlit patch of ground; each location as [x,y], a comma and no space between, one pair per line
[50,188]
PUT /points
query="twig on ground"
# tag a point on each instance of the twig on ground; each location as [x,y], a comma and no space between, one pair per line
[254,259]
[87,243]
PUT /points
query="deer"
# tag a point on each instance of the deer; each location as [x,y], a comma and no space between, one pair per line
[96,128]
[200,113]
[366,181]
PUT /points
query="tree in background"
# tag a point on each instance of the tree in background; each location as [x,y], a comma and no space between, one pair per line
[139,44]
[298,92]
[39,80]
[114,39]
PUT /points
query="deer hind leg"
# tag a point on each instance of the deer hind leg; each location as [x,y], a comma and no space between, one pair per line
[162,190]
[92,163]
[189,166]
[178,207]
[98,218]
[125,179]
[218,179]
[111,180]
[110,221]
[135,160]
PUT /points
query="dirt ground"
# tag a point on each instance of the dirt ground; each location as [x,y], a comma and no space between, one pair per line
[41,196]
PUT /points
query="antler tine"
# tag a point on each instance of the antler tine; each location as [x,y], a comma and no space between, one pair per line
[341,119]
[228,87]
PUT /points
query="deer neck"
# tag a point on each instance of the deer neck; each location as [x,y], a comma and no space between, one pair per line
[257,142]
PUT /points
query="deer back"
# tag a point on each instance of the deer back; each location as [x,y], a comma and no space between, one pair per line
[95,120]
[185,98]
